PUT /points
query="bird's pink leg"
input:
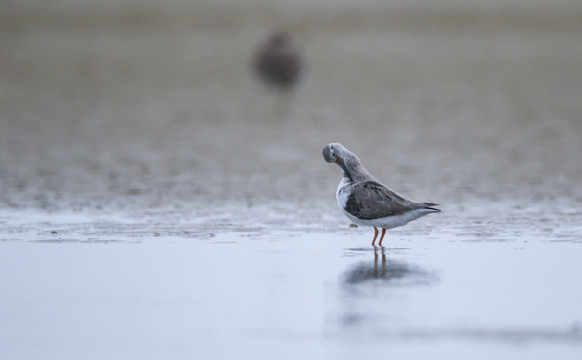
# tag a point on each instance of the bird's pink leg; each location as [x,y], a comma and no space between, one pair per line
[375,235]
[381,237]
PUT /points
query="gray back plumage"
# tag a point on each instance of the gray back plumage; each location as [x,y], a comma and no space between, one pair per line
[371,200]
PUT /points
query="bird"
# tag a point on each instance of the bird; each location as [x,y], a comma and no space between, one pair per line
[278,62]
[366,201]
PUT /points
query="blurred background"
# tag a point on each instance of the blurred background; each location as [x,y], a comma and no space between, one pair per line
[158,128]
[149,106]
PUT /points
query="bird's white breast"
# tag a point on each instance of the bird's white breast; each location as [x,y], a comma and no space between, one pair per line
[342,194]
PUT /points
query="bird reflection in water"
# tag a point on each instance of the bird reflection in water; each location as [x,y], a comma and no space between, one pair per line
[387,272]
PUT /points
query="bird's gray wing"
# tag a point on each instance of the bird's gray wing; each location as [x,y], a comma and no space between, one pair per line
[372,200]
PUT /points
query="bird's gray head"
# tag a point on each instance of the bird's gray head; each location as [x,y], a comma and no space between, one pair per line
[345,159]
[331,152]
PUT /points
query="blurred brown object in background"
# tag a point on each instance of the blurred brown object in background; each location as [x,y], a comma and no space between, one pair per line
[278,62]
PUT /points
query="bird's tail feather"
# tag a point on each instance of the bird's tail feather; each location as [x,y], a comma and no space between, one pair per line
[429,206]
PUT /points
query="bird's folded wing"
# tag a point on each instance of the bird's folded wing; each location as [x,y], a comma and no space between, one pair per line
[372,200]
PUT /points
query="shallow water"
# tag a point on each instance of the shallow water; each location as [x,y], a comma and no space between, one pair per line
[156,201]
[288,295]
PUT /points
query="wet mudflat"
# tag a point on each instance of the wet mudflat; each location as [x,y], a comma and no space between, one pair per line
[156,201]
